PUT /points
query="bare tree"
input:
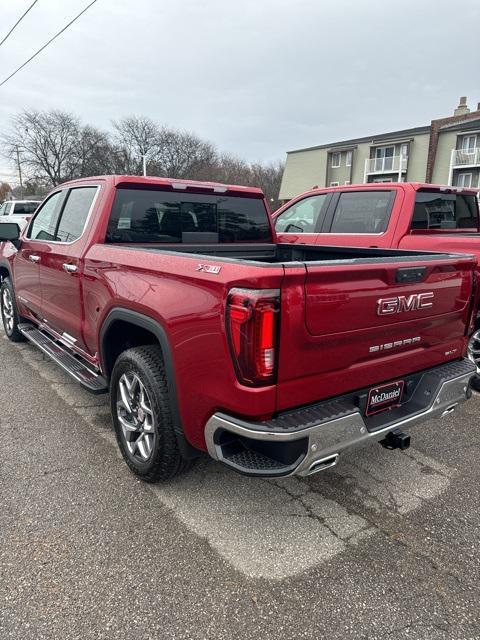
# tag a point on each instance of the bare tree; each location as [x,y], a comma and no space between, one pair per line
[54,146]
[46,142]
[268,177]
[233,170]
[95,154]
[137,139]
[183,155]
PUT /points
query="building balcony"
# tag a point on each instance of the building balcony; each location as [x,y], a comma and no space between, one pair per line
[466,157]
[390,164]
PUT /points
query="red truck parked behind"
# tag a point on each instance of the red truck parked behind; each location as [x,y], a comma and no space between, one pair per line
[423,217]
[212,336]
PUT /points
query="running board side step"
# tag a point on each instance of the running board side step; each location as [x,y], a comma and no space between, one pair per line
[93,382]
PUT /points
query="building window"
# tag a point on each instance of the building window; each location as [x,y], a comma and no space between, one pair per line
[348,158]
[334,184]
[336,160]
[469,143]
[384,158]
[464,180]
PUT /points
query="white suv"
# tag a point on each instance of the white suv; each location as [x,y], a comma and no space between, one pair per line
[19,211]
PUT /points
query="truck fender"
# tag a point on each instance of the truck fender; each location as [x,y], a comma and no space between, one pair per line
[154,327]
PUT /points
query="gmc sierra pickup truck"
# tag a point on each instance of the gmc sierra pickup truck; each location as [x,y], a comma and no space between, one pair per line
[401,215]
[212,336]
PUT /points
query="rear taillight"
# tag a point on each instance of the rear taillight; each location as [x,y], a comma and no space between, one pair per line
[252,327]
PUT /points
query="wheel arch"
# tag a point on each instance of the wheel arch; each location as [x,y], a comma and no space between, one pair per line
[147,328]
[4,271]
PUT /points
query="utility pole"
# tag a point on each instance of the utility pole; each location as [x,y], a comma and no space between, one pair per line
[19,172]
[144,159]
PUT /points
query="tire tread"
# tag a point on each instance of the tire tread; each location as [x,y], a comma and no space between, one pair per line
[16,335]
[167,461]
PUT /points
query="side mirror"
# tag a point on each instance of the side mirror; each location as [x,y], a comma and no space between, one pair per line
[10,232]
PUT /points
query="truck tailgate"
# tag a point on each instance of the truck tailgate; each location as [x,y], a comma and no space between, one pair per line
[362,327]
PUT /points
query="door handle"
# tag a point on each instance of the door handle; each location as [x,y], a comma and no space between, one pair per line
[69,268]
[34,258]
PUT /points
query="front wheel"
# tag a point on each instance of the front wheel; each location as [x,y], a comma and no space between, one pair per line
[10,315]
[142,415]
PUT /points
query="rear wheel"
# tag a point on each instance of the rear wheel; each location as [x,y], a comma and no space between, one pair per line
[474,348]
[10,315]
[474,355]
[142,415]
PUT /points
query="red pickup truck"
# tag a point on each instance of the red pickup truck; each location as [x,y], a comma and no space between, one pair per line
[401,215]
[212,336]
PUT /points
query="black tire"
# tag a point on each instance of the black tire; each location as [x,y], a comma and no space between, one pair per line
[10,324]
[475,382]
[165,459]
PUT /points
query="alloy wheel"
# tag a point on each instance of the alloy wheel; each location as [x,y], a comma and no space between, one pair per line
[135,415]
[7,310]
[474,349]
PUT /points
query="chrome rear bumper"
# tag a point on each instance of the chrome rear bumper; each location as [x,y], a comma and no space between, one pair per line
[310,439]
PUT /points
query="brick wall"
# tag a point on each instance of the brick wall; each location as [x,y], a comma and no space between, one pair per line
[435,127]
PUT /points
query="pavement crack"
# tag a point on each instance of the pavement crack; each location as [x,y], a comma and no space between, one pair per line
[309,513]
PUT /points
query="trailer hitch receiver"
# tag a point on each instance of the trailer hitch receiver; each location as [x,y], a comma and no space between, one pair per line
[396,439]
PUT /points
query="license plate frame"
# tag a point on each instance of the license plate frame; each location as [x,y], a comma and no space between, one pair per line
[393,391]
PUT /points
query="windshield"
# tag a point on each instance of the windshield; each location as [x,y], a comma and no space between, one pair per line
[147,215]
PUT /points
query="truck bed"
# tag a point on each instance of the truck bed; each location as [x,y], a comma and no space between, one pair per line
[282,253]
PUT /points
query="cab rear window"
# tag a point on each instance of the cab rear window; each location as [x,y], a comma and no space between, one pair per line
[444,211]
[153,216]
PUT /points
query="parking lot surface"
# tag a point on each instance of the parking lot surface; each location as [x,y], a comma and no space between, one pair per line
[385,546]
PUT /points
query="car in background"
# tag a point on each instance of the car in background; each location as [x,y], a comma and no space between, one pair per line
[18,211]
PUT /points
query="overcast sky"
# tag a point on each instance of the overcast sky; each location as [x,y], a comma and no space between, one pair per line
[256,77]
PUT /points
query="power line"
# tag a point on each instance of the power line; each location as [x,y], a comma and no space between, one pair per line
[47,43]
[18,21]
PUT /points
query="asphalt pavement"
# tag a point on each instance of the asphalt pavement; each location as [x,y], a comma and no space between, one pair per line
[384,546]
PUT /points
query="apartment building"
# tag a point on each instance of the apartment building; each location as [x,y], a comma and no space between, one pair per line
[447,151]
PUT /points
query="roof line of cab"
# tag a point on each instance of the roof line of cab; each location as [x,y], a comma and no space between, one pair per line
[173,183]
[417,186]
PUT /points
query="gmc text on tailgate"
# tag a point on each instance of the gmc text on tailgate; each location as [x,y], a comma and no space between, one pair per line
[212,336]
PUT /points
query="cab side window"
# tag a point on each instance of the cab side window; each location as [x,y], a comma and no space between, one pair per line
[45,221]
[303,216]
[75,213]
[362,212]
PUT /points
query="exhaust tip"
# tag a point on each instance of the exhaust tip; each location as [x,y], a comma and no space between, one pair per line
[323,464]
[449,409]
